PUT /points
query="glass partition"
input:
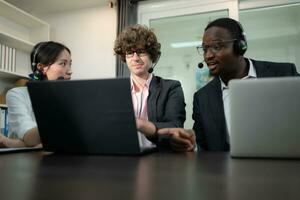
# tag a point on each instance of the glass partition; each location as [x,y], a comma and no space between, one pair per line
[273,33]
[179,37]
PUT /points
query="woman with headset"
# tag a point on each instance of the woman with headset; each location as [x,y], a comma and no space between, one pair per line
[50,61]
[158,103]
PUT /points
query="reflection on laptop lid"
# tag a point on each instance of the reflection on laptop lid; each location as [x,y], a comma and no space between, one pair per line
[86,116]
[265,117]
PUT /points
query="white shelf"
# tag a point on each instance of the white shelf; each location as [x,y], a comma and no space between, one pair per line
[19,30]
[19,16]
[15,42]
[11,75]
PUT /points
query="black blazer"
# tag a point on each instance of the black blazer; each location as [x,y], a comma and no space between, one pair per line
[208,110]
[165,103]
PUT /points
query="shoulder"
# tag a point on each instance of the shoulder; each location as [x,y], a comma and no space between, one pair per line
[157,80]
[17,93]
[273,65]
[277,68]
[215,82]
[269,62]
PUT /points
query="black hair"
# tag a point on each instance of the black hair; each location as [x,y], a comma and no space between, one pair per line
[46,53]
[236,30]
[233,26]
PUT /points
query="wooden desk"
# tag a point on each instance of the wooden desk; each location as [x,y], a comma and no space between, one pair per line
[165,176]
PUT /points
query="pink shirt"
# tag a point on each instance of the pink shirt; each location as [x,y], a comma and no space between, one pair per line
[139,100]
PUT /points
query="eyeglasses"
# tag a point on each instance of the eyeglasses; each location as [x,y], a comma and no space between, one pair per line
[214,48]
[139,53]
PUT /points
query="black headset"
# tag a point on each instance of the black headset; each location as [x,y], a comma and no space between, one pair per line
[240,45]
[37,74]
[150,70]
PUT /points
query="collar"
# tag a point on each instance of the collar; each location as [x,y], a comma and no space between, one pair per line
[252,71]
[147,83]
[251,74]
[223,86]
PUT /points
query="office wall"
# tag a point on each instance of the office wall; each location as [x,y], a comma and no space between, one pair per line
[90,34]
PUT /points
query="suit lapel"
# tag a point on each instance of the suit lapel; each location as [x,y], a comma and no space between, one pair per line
[216,103]
[154,91]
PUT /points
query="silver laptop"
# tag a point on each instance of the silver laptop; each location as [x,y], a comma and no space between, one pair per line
[86,116]
[265,117]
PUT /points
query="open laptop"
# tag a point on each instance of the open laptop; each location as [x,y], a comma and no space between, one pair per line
[265,117]
[86,116]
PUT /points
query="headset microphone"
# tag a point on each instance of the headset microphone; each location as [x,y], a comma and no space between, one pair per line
[150,70]
[200,65]
[60,78]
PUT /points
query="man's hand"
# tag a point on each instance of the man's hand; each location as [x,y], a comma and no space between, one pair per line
[182,140]
[146,127]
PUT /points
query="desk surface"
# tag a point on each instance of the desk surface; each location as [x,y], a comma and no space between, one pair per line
[37,176]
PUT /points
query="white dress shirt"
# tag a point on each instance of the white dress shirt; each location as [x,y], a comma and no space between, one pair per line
[139,100]
[226,98]
[20,114]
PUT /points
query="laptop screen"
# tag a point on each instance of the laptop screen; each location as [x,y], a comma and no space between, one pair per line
[85,116]
[265,117]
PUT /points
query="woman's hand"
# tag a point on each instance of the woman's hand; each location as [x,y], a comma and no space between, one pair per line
[3,141]
[6,142]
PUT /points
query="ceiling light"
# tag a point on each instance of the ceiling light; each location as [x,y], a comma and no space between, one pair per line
[185,44]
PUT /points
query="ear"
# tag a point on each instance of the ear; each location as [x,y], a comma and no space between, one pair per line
[42,68]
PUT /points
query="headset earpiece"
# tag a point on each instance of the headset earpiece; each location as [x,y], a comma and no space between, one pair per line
[42,45]
[240,45]
[243,46]
[38,75]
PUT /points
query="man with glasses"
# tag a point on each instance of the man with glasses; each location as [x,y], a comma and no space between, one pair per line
[158,103]
[223,48]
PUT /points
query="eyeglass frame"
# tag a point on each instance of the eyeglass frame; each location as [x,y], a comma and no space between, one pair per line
[212,47]
[138,52]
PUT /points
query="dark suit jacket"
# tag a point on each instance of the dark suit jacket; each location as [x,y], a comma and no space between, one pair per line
[165,103]
[208,110]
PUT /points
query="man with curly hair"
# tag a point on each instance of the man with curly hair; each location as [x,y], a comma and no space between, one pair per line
[158,103]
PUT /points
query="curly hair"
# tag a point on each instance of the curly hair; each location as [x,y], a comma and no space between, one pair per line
[135,37]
